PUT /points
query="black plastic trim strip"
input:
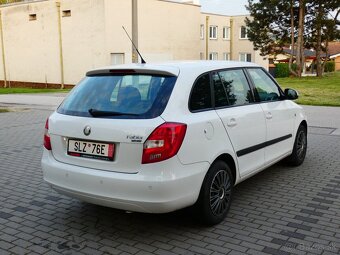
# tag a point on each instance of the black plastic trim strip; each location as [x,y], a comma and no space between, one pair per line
[256,147]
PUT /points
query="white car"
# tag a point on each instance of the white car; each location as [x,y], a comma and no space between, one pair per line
[158,138]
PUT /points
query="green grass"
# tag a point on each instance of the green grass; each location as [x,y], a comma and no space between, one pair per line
[3,110]
[315,91]
[312,90]
[29,90]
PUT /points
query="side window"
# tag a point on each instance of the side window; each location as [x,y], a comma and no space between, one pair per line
[200,98]
[220,91]
[265,87]
[231,88]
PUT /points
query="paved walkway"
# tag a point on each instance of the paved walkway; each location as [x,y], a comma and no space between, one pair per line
[282,210]
[324,117]
[48,101]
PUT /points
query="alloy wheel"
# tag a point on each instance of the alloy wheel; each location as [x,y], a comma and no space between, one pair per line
[301,144]
[220,192]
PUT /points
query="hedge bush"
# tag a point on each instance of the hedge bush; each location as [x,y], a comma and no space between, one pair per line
[281,70]
[329,66]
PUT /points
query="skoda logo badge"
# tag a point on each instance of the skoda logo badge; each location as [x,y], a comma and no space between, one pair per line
[87,130]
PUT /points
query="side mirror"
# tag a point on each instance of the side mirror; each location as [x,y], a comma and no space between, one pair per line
[291,94]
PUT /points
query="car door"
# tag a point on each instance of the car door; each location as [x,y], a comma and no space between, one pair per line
[243,120]
[278,113]
[205,137]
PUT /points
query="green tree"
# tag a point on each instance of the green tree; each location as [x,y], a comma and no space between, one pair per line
[268,26]
[323,28]
[274,24]
[300,23]
[300,59]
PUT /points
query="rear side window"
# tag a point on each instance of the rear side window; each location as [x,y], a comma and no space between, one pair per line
[119,96]
[220,91]
[231,88]
[200,98]
[265,87]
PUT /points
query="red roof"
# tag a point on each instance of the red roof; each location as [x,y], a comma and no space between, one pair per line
[333,48]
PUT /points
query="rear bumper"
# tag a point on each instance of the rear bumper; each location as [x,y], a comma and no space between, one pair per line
[156,188]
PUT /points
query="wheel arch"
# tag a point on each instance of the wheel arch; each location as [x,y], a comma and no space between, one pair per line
[304,123]
[227,158]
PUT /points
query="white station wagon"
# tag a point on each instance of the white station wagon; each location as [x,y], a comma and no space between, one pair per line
[158,138]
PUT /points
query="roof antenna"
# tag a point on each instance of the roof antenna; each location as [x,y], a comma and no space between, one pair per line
[143,61]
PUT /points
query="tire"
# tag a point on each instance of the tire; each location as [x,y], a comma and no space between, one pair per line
[300,147]
[215,196]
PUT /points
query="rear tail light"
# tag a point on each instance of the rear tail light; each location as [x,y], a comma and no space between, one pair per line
[164,142]
[47,138]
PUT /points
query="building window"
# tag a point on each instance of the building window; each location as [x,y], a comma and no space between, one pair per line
[202,32]
[244,33]
[66,13]
[245,57]
[201,55]
[117,58]
[226,31]
[213,56]
[213,32]
[226,56]
[32,16]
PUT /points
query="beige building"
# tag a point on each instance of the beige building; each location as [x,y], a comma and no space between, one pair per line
[227,39]
[52,42]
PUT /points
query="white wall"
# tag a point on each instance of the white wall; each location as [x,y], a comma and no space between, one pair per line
[93,32]
[168,31]
[32,47]
[83,38]
[118,14]
[27,57]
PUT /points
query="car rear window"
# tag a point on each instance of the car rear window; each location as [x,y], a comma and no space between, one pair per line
[119,96]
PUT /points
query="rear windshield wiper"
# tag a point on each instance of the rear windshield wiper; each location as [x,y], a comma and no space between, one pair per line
[98,113]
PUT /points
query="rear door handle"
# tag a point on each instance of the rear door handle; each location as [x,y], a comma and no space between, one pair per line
[232,122]
[269,115]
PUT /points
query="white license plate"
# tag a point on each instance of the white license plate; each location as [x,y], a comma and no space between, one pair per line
[89,149]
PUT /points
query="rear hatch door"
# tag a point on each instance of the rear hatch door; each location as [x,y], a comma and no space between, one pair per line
[124,136]
[106,118]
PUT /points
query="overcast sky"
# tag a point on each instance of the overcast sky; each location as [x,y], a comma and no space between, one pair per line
[226,7]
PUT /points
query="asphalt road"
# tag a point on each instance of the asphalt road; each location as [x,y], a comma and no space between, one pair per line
[281,210]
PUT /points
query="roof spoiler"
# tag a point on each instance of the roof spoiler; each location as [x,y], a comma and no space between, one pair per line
[109,72]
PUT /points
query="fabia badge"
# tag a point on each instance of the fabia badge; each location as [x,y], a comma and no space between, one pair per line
[134,138]
[87,130]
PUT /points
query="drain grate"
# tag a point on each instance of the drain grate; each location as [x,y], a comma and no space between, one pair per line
[321,130]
